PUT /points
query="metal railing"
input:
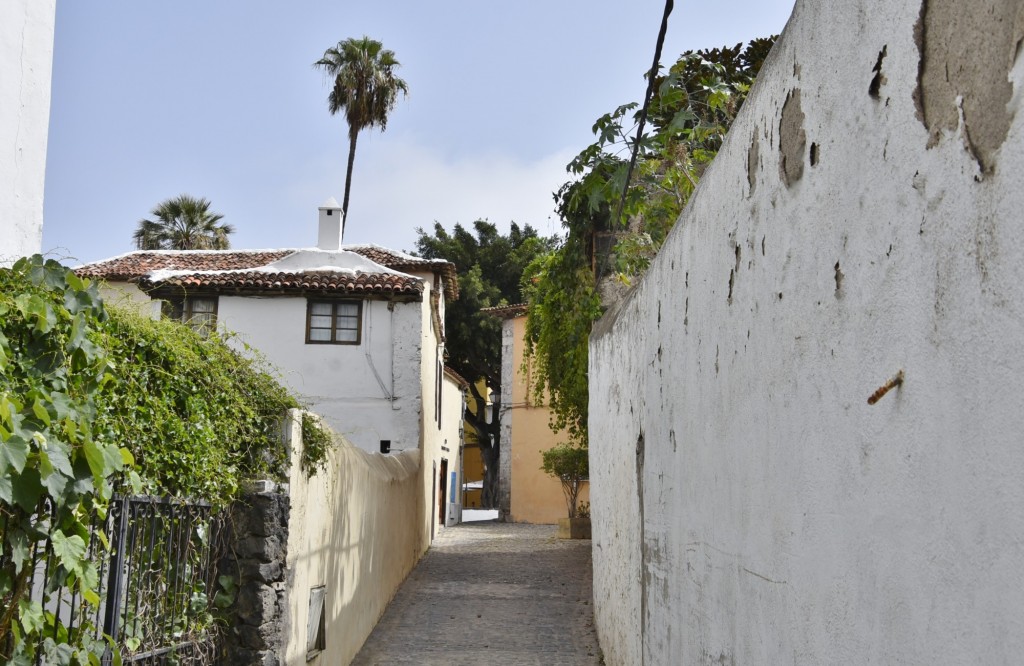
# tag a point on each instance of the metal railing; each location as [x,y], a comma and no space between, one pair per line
[156,583]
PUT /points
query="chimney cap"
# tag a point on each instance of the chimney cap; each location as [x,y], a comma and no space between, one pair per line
[330,203]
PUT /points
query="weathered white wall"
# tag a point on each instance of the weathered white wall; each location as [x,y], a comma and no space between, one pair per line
[349,530]
[864,217]
[26,60]
[367,392]
[441,436]
[508,375]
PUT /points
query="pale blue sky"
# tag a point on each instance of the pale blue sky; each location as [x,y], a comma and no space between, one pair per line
[219,99]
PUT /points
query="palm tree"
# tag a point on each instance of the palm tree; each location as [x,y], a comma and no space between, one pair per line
[183,223]
[365,88]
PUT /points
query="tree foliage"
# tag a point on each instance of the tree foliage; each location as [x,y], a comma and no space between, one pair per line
[96,401]
[490,266]
[571,466]
[364,87]
[694,104]
[183,223]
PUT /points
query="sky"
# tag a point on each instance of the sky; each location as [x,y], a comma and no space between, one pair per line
[220,100]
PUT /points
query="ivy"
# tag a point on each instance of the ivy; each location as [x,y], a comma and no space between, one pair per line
[316,445]
[693,107]
[95,401]
[57,469]
[199,417]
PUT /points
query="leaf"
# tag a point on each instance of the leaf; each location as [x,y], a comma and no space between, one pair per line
[113,459]
[14,454]
[21,659]
[26,489]
[74,282]
[58,653]
[31,615]
[78,328]
[40,411]
[127,458]
[18,541]
[94,456]
[54,481]
[89,594]
[136,482]
[70,550]
[6,488]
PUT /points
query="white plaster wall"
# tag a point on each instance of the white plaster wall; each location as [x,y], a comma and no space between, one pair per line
[450,446]
[508,377]
[129,296]
[349,531]
[772,516]
[26,61]
[367,392]
[437,437]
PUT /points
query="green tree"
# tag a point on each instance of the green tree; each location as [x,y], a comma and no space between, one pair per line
[694,105]
[571,466]
[183,223]
[364,87]
[490,266]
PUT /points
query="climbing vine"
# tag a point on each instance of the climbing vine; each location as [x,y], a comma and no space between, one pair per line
[95,401]
[694,104]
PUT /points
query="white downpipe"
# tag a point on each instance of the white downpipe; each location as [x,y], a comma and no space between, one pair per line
[390,395]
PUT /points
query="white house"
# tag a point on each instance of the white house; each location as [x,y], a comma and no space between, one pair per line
[357,331]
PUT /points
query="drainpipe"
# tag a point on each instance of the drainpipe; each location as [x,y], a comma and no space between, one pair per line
[369,358]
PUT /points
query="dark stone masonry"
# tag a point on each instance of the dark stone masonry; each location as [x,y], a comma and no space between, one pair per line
[256,538]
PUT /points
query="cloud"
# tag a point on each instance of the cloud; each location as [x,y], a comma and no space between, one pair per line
[402,185]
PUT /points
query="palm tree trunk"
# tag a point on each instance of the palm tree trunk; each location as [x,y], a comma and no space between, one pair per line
[352,136]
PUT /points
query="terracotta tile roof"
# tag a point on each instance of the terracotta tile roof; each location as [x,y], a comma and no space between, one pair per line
[135,265]
[506,311]
[457,377]
[387,284]
[238,271]
[405,262]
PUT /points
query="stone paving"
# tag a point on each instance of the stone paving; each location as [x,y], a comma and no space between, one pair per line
[492,593]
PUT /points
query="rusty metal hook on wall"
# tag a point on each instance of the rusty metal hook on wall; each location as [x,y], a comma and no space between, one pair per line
[896,380]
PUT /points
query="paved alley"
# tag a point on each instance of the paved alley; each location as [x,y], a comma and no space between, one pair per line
[492,593]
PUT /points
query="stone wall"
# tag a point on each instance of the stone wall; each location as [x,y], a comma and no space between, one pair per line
[863,218]
[256,558]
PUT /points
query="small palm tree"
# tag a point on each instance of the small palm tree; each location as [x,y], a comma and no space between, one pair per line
[183,223]
[365,88]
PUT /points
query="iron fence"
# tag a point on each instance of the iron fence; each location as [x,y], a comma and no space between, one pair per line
[156,583]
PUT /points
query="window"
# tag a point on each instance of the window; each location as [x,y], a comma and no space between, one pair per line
[334,322]
[316,624]
[199,312]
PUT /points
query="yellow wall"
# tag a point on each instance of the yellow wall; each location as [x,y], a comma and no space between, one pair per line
[472,459]
[536,496]
[351,529]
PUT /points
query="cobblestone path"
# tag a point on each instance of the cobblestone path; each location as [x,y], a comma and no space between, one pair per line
[492,593]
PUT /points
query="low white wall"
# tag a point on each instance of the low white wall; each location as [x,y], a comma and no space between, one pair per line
[864,217]
[353,529]
[26,60]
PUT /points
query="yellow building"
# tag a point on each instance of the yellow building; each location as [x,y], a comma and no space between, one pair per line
[472,459]
[528,495]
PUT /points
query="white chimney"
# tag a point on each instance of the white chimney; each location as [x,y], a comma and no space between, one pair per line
[332,226]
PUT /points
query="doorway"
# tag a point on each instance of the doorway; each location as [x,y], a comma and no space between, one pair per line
[443,497]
